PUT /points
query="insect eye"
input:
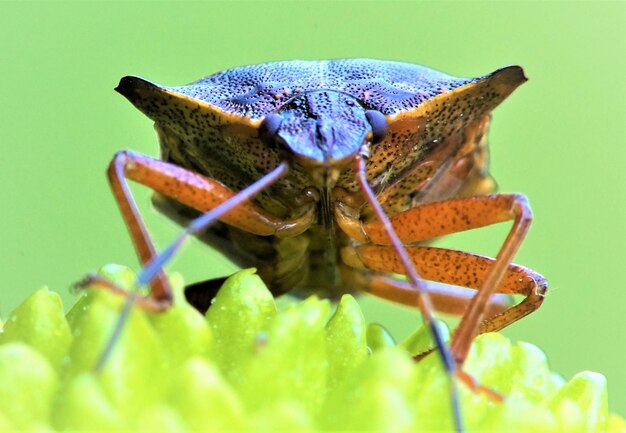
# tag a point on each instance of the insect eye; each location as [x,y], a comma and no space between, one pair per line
[269,127]
[378,122]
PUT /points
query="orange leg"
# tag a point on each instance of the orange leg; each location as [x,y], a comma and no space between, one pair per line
[441,218]
[453,267]
[443,298]
[191,189]
[201,193]
[423,300]
[446,299]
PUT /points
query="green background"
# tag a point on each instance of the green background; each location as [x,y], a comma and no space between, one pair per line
[560,138]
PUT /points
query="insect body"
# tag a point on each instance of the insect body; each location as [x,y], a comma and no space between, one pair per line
[354,163]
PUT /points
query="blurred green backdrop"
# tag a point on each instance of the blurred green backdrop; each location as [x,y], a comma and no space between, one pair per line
[560,138]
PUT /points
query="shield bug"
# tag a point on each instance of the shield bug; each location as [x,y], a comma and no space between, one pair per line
[329,177]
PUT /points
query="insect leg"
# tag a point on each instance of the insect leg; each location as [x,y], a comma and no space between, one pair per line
[190,189]
[196,191]
[423,300]
[451,267]
[431,220]
[446,298]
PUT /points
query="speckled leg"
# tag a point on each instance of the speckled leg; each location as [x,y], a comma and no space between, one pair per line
[453,267]
[435,219]
[206,195]
[193,190]
[446,298]
[441,218]
[450,267]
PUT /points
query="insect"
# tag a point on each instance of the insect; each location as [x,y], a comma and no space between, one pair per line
[329,177]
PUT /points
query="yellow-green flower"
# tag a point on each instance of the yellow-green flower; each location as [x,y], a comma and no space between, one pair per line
[249,367]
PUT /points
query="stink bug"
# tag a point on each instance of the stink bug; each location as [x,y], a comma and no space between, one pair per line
[328,177]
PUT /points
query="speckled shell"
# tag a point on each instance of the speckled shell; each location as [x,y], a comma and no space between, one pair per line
[386,86]
[435,147]
[211,125]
